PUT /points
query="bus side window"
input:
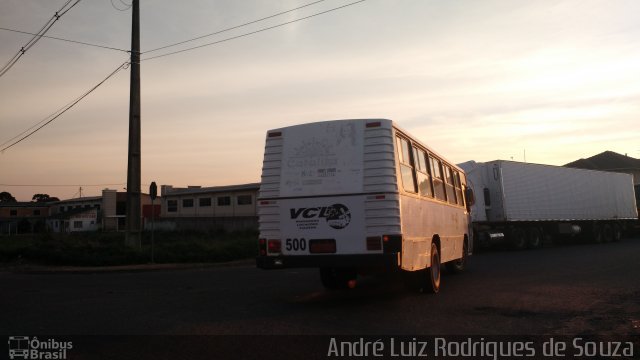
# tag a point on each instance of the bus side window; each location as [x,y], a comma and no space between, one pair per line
[422,173]
[406,170]
[451,194]
[458,186]
[438,181]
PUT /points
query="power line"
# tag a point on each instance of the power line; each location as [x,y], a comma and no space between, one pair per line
[127,6]
[60,185]
[63,39]
[255,32]
[61,111]
[65,8]
[232,28]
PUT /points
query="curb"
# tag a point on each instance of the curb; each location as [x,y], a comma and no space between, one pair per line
[41,269]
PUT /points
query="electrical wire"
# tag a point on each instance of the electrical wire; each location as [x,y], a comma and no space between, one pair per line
[254,32]
[67,40]
[60,185]
[46,121]
[127,6]
[65,8]
[232,28]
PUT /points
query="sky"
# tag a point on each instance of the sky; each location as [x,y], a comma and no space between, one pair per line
[544,81]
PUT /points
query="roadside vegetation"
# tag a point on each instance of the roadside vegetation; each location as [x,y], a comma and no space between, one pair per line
[103,249]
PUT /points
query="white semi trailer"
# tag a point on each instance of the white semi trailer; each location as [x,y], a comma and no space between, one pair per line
[353,196]
[522,204]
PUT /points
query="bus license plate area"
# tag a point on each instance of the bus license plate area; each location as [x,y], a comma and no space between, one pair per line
[322,246]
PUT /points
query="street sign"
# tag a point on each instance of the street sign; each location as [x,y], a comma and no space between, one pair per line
[153,190]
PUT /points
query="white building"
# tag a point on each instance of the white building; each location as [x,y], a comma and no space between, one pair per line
[209,208]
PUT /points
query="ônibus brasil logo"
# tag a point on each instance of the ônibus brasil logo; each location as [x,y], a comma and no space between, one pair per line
[337,216]
[25,347]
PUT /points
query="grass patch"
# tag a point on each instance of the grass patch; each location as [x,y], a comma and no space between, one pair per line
[103,249]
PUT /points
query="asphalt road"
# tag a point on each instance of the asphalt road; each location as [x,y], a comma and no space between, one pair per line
[592,289]
[579,289]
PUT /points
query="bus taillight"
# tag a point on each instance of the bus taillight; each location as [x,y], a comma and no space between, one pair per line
[274,246]
[392,243]
[262,247]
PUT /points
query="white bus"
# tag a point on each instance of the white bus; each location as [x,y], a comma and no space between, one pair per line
[349,196]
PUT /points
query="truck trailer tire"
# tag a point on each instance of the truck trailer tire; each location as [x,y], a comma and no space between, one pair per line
[534,238]
[518,239]
[607,233]
[596,233]
[617,232]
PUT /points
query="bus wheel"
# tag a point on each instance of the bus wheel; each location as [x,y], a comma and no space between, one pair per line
[338,278]
[535,238]
[458,266]
[434,270]
[518,239]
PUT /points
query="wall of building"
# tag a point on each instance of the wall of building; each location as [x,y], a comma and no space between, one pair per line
[235,223]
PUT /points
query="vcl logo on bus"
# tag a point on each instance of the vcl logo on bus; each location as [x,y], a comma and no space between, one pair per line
[337,216]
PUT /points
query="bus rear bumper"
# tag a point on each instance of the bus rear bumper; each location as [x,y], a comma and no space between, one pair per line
[316,261]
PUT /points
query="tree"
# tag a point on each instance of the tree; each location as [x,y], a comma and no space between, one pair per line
[6,197]
[44,198]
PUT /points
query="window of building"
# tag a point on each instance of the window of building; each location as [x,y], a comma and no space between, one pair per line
[13,212]
[224,200]
[36,212]
[204,202]
[187,203]
[61,209]
[172,205]
[77,224]
[245,200]
[69,208]
[97,206]
[87,206]
[406,169]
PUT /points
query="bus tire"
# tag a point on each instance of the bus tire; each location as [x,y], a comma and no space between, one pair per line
[458,266]
[434,271]
[338,278]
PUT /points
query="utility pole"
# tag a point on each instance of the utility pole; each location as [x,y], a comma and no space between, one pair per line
[133,168]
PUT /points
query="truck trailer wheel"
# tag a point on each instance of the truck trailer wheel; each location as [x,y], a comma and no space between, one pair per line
[607,233]
[596,233]
[338,278]
[518,239]
[617,232]
[534,238]
[458,266]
